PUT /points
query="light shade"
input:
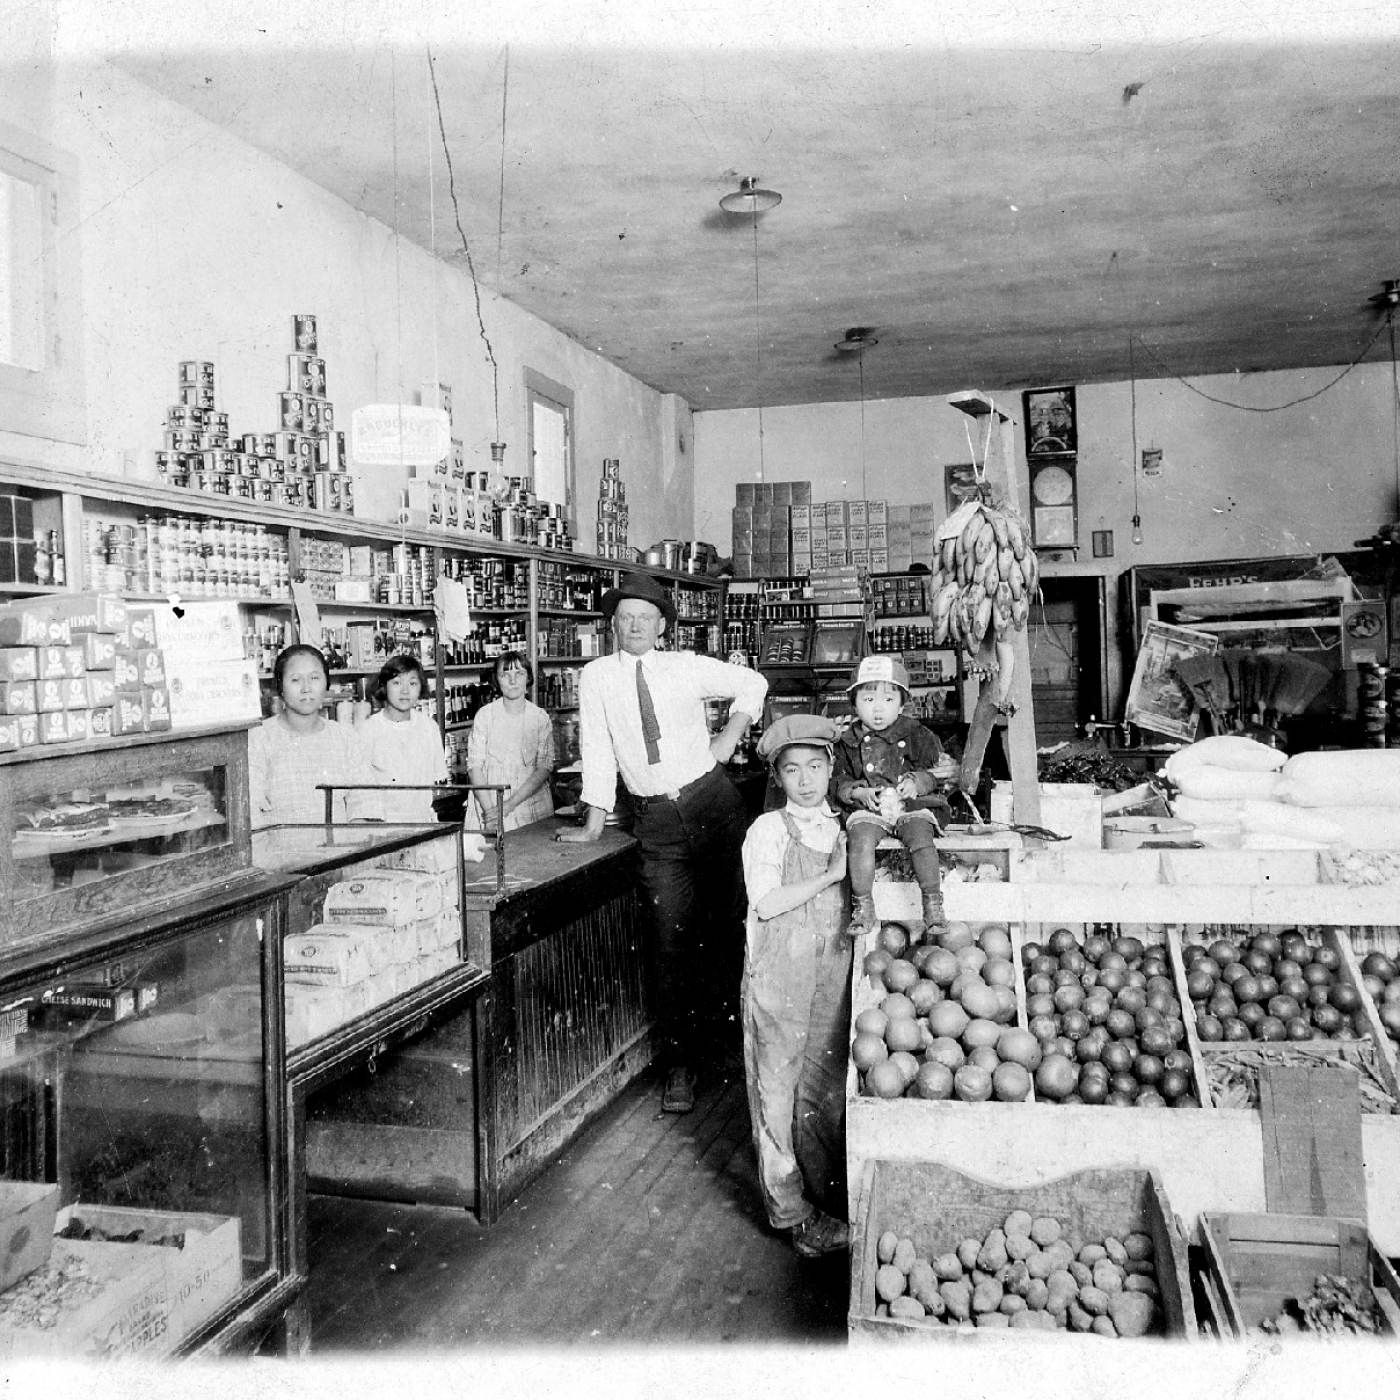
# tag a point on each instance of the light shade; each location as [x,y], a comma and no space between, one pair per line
[857,338]
[749,199]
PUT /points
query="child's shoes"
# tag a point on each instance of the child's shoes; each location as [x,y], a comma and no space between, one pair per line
[863,916]
[935,925]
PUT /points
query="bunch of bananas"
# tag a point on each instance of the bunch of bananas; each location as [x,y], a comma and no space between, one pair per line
[986,578]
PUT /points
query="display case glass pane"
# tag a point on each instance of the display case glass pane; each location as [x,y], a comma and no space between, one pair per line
[67,837]
[136,1085]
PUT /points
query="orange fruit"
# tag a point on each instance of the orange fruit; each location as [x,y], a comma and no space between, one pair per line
[947,1019]
[868,1050]
[873,1021]
[1006,1004]
[941,966]
[971,958]
[999,972]
[1056,1077]
[980,1000]
[876,961]
[984,1057]
[907,1066]
[933,1081]
[904,1033]
[994,940]
[981,1032]
[885,1081]
[924,995]
[900,975]
[958,935]
[972,1085]
[945,1051]
[1019,1047]
[894,938]
[897,1004]
[1011,1083]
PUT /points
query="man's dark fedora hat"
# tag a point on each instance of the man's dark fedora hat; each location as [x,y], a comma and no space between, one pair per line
[644,588]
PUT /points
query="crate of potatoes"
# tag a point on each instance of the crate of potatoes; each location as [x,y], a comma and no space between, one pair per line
[939,1253]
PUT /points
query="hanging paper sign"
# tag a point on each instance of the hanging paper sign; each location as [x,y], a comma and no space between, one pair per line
[399,434]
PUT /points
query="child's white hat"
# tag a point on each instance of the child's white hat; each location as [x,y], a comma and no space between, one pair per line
[884,667]
[814,730]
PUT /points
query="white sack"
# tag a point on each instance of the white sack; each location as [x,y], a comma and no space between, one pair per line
[1225,751]
[1342,778]
[1229,784]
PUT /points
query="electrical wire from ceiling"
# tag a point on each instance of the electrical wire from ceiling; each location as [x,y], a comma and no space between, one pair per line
[1169,373]
[466,246]
[758,343]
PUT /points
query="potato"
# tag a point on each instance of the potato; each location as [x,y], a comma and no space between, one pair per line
[1115,1250]
[1083,1274]
[1140,1283]
[1024,1319]
[1020,1247]
[909,1308]
[921,1279]
[993,1319]
[948,1267]
[1078,1319]
[890,1282]
[1040,1264]
[1018,1223]
[1037,1295]
[885,1245]
[957,1299]
[1011,1305]
[1093,1301]
[1137,1245]
[1103,1324]
[992,1255]
[1092,1253]
[986,1297]
[905,1255]
[1061,1254]
[1045,1230]
[1016,1279]
[1133,1313]
[1062,1290]
[968,1251]
[1146,1267]
[1108,1276]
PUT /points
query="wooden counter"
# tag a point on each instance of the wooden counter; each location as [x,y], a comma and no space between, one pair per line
[473,1108]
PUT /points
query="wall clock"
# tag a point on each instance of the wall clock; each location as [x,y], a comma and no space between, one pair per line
[1054,502]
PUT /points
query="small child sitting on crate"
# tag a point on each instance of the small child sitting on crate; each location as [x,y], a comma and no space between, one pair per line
[796,1001]
[888,774]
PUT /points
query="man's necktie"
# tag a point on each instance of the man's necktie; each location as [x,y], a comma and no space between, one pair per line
[651,730]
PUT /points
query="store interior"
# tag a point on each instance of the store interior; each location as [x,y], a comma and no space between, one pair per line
[1187,217]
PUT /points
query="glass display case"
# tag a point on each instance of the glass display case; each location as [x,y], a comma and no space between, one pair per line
[88,830]
[141,1128]
[375,916]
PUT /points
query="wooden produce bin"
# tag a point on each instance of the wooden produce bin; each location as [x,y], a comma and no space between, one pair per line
[937,1207]
[1255,1263]
[1208,1159]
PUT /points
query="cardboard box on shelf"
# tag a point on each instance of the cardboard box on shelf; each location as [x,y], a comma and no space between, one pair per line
[876,512]
[857,512]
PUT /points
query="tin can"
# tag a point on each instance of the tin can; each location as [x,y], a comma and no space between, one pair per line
[1371,683]
[304,333]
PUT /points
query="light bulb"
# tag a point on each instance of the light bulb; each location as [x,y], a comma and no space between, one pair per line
[1137,529]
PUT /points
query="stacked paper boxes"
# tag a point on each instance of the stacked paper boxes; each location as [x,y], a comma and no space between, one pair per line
[382,933]
[79,666]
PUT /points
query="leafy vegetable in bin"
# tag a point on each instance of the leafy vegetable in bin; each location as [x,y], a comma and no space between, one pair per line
[1336,1305]
[1088,763]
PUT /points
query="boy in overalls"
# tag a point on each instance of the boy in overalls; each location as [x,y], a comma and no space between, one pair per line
[795,999]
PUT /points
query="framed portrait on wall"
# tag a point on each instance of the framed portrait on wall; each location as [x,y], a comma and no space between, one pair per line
[1050,421]
[959,484]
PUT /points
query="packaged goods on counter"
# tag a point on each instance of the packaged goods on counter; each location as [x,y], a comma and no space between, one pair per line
[338,955]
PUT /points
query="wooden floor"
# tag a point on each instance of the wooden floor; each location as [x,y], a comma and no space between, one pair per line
[648,1229]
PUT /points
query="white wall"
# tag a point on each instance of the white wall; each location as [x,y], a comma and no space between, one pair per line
[195,246]
[1314,477]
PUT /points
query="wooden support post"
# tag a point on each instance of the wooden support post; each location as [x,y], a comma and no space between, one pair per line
[1001,471]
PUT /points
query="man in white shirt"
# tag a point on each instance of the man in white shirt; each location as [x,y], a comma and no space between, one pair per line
[642,718]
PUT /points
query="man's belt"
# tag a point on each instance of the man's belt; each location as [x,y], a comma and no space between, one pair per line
[642,803]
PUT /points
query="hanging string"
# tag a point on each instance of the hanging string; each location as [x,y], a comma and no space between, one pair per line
[432,249]
[757,344]
[1394,405]
[1132,413]
[863,493]
[501,187]
[466,247]
[398,272]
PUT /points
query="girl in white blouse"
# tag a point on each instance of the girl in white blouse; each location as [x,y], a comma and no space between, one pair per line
[404,744]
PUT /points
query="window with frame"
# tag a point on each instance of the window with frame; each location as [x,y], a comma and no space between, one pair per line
[551,412]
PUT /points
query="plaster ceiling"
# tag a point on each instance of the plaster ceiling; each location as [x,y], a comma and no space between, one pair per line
[1003,214]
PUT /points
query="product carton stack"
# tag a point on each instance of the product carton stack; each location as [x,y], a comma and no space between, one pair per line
[79,666]
[612,513]
[772,527]
[382,933]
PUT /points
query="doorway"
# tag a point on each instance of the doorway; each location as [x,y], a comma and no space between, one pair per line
[1067,639]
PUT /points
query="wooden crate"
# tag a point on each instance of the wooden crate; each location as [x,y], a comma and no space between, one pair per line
[937,1206]
[1254,1263]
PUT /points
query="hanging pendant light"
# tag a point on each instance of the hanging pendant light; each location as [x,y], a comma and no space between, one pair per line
[750,199]
[856,341]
